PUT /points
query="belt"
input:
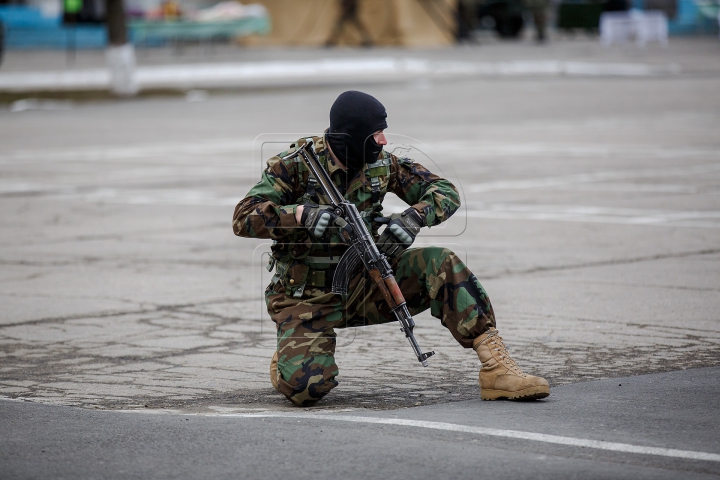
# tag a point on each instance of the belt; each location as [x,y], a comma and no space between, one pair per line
[317,261]
[320,271]
[321,278]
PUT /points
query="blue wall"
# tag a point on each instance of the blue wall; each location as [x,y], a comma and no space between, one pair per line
[690,20]
[25,27]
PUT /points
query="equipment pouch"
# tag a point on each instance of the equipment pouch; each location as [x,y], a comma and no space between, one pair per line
[317,278]
[295,279]
[377,177]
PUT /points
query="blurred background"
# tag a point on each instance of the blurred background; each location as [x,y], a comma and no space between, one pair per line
[410,23]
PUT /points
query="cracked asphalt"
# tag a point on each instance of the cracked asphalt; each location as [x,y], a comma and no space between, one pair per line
[590,215]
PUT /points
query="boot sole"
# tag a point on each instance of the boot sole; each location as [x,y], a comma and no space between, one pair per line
[532,393]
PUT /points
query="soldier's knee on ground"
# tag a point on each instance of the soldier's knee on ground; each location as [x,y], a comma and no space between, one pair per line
[306,381]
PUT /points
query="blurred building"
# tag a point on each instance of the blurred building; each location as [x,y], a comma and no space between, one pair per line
[49,23]
[39,23]
[412,23]
[509,17]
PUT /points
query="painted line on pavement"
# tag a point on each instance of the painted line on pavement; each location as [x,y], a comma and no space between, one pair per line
[489,150]
[590,214]
[137,152]
[322,70]
[470,151]
[547,182]
[492,211]
[495,432]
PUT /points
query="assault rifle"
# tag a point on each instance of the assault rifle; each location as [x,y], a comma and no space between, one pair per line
[361,248]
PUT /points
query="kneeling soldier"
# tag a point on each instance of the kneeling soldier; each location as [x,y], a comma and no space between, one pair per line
[287,206]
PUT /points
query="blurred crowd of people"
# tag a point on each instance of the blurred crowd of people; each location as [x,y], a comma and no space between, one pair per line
[507,17]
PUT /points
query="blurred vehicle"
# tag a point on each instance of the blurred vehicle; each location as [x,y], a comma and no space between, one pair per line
[503,16]
[583,14]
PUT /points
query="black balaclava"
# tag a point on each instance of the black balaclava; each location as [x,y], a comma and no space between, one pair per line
[354,117]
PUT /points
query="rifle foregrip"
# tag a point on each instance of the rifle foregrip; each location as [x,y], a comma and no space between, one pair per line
[394,290]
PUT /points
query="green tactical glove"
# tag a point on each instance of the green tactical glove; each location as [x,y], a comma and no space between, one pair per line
[400,233]
[318,219]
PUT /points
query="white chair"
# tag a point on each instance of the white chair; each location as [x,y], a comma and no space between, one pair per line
[650,26]
[644,27]
[615,27]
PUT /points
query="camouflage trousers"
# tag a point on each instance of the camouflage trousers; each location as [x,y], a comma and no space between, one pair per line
[430,278]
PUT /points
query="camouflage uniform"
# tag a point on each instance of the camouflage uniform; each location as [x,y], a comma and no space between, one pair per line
[299,299]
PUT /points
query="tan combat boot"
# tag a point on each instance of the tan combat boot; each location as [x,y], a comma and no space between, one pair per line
[500,377]
[274,371]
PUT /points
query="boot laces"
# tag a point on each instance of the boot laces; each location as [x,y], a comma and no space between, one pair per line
[497,345]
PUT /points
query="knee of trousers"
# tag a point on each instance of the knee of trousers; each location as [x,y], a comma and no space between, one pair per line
[306,381]
[427,257]
[443,259]
[438,252]
[444,253]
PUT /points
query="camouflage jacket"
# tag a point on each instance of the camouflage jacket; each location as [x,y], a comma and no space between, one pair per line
[268,210]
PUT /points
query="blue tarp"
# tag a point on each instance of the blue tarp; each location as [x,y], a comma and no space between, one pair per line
[26,27]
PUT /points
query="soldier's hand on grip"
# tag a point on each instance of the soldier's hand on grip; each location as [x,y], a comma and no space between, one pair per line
[318,219]
[400,233]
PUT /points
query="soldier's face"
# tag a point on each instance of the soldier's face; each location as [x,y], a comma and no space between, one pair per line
[379,137]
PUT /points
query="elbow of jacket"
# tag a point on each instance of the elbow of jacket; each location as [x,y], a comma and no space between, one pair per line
[236,229]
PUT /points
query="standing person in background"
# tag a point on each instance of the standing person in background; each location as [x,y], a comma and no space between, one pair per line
[465,14]
[349,14]
[538,9]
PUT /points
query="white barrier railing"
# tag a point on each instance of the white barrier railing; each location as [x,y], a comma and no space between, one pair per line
[641,26]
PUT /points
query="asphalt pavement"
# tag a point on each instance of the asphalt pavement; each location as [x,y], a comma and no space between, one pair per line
[660,426]
[590,181]
[590,216]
